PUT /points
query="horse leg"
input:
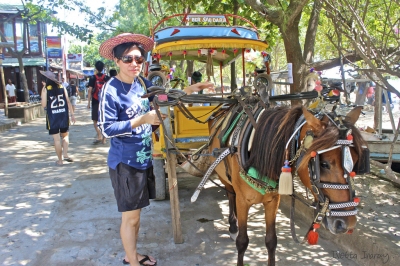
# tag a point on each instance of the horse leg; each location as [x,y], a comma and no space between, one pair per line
[233,227]
[242,241]
[270,210]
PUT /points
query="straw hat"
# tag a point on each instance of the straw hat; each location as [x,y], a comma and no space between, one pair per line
[50,75]
[106,48]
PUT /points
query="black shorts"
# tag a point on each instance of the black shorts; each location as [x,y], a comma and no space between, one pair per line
[54,131]
[95,110]
[132,187]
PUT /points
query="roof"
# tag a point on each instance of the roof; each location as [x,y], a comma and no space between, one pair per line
[80,73]
[6,7]
[33,61]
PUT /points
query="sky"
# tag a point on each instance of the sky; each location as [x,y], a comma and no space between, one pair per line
[77,17]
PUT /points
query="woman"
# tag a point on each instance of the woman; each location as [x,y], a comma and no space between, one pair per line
[74,94]
[126,118]
[55,100]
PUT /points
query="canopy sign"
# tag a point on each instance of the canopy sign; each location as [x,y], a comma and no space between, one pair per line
[206,18]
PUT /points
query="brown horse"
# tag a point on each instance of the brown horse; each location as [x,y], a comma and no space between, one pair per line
[274,129]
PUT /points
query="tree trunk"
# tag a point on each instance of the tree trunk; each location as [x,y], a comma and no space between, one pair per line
[189,68]
[378,108]
[23,78]
[290,35]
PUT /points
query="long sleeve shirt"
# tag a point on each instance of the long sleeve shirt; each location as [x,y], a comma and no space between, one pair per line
[119,103]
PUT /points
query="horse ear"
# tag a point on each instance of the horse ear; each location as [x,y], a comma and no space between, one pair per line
[312,121]
[353,115]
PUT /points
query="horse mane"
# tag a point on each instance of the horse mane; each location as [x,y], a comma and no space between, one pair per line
[275,127]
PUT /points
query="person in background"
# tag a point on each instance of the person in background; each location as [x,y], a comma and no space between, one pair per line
[113,73]
[389,94]
[74,94]
[196,78]
[95,84]
[64,83]
[127,119]
[10,88]
[370,98]
[55,100]
[34,87]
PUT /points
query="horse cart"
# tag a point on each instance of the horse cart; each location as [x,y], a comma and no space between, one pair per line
[213,41]
[323,149]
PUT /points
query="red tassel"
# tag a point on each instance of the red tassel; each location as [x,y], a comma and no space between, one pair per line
[312,238]
[313,235]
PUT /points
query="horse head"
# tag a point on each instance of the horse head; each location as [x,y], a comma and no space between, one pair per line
[331,145]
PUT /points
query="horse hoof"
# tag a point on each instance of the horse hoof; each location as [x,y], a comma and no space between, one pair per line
[234,235]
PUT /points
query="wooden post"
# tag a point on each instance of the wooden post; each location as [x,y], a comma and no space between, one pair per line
[243,68]
[378,109]
[172,179]
[222,81]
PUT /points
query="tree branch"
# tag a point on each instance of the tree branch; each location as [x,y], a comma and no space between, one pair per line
[274,15]
[309,44]
[295,9]
[390,175]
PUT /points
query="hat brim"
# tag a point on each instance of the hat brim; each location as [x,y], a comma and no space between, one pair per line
[106,48]
[44,73]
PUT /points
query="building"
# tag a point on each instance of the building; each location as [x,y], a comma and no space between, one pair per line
[11,25]
[34,59]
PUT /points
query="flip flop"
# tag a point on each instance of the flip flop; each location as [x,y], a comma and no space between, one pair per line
[59,164]
[97,141]
[68,159]
[146,258]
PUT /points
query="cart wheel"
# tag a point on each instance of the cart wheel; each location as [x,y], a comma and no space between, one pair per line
[263,84]
[157,78]
[159,173]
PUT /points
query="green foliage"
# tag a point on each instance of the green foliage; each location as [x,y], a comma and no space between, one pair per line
[43,11]
[91,52]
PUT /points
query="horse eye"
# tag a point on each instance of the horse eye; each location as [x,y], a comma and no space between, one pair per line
[325,165]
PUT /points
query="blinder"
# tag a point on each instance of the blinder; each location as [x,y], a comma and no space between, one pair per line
[362,166]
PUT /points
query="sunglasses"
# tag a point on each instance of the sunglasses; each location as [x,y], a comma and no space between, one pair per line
[127,59]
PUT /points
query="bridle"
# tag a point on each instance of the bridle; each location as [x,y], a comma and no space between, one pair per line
[322,207]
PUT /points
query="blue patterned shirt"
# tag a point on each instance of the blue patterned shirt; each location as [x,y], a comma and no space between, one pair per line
[119,103]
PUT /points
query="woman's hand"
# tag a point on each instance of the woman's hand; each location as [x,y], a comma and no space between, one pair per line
[73,120]
[199,86]
[152,118]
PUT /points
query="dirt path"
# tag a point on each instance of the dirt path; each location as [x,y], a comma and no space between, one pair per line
[67,215]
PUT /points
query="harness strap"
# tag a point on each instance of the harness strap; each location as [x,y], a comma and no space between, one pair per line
[343,213]
[208,173]
[341,205]
[189,115]
[332,185]
[224,124]
[248,112]
[231,127]
[236,133]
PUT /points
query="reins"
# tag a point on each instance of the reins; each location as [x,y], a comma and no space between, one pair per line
[321,206]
